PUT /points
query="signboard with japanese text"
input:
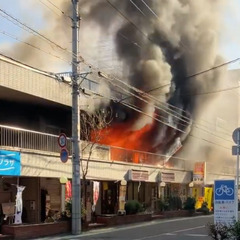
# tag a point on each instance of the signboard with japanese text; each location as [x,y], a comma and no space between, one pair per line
[167,177]
[10,163]
[224,202]
[137,175]
[198,173]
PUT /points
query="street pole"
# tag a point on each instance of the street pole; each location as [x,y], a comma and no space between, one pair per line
[76,184]
[237,173]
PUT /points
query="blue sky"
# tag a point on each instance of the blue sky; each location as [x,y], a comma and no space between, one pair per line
[22,9]
[31,12]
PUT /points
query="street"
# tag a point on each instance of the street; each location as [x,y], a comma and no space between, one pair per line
[193,228]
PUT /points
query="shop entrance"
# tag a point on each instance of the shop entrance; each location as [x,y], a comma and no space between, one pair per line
[109,197]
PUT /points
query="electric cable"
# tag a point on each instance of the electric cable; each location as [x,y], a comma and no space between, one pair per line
[166,123]
[114,78]
[25,27]
[33,46]
[45,5]
[197,137]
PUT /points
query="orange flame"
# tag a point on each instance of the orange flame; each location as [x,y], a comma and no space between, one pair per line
[121,135]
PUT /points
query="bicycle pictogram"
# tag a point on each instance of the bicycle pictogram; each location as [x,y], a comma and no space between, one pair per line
[224,189]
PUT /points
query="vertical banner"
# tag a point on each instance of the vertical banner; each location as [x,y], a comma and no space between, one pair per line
[122,197]
[195,193]
[68,190]
[208,191]
[95,192]
[19,205]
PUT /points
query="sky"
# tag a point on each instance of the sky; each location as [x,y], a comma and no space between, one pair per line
[33,13]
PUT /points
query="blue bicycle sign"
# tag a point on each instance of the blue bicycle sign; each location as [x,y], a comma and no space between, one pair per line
[224,190]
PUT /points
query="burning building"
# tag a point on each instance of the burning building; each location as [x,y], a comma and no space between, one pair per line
[168,111]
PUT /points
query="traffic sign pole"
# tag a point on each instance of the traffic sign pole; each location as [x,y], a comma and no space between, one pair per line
[235,149]
[237,172]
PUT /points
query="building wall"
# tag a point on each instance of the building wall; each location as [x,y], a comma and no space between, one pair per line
[40,164]
[29,81]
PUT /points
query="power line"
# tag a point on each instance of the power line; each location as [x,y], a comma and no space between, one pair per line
[33,46]
[137,8]
[182,118]
[58,8]
[150,9]
[167,109]
[45,5]
[62,12]
[187,121]
[31,29]
[126,18]
[197,137]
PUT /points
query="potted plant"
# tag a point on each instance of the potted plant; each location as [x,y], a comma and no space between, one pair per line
[189,204]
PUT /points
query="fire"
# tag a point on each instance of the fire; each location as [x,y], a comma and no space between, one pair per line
[121,135]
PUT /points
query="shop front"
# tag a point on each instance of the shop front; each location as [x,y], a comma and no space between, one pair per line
[169,186]
[140,188]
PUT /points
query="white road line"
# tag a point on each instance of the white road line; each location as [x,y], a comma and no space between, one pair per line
[173,233]
[188,229]
[196,235]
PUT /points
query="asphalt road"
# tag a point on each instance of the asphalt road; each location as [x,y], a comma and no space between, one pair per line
[190,228]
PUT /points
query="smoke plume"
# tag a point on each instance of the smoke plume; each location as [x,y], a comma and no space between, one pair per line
[163,43]
[160,45]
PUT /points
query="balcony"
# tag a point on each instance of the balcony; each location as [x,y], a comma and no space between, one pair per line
[19,138]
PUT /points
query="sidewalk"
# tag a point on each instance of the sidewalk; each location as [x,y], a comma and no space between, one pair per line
[107,222]
[107,229]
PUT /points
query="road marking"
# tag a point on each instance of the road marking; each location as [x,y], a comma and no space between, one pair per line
[188,229]
[196,235]
[173,233]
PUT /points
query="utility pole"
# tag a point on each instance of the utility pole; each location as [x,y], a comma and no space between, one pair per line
[76,184]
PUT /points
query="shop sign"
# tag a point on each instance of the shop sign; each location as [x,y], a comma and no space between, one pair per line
[136,175]
[198,173]
[10,163]
[167,177]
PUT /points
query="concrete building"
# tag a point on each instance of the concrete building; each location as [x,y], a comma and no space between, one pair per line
[35,108]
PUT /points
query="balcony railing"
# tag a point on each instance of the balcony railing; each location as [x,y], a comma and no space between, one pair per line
[145,158]
[33,140]
[27,139]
